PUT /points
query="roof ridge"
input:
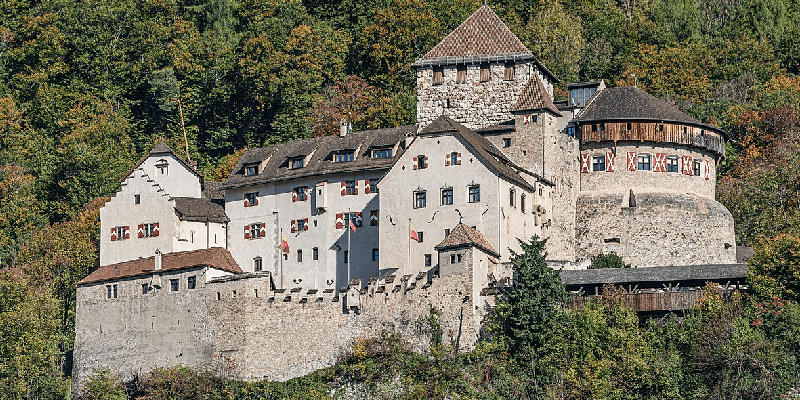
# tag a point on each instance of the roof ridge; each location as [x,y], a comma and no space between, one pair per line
[534,96]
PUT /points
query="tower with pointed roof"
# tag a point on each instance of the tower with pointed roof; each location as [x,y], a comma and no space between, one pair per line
[476,73]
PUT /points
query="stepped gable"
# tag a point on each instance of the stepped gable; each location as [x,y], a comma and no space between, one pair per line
[199,210]
[535,97]
[482,37]
[463,235]
[631,103]
[484,149]
[162,148]
[274,160]
[215,257]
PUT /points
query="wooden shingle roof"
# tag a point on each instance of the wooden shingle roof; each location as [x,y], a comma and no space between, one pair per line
[535,97]
[199,209]
[463,235]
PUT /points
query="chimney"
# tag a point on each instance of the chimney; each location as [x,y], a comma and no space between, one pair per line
[343,128]
[158,259]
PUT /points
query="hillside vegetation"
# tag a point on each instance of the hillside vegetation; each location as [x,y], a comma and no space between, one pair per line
[88,87]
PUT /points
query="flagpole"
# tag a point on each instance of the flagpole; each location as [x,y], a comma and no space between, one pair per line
[408,239]
[349,256]
[281,257]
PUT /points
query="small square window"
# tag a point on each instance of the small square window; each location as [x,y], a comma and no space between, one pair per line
[173,285]
[374,254]
[191,282]
[301,224]
[251,199]
[301,193]
[506,142]
[643,162]
[428,261]
[350,187]
[297,162]
[137,199]
[672,164]
[571,131]
[598,163]
[251,170]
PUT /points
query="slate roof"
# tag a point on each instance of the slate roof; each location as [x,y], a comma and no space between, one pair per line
[535,97]
[482,37]
[216,257]
[162,148]
[200,210]
[630,103]
[277,166]
[213,190]
[484,150]
[655,275]
[463,235]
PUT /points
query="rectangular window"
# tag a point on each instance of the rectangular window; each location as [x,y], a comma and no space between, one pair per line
[421,162]
[509,73]
[522,203]
[149,230]
[446,233]
[421,236]
[454,158]
[315,254]
[373,185]
[419,199]
[447,196]
[251,169]
[137,199]
[485,73]
[301,224]
[173,285]
[696,169]
[299,256]
[258,264]
[354,217]
[122,233]
[438,75]
[191,282]
[108,291]
[251,199]
[297,162]
[643,162]
[374,254]
[672,164]
[350,187]
[343,156]
[475,194]
[373,217]
[512,197]
[598,163]
[145,288]
[461,74]
[428,261]
[301,193]
[255,230]
[346,256]
[382,153]
[571,131]
[506,142]
[163,167]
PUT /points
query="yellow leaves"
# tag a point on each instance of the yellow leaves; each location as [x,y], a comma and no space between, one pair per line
[678,72]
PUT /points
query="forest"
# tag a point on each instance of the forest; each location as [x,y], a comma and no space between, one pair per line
[88,87]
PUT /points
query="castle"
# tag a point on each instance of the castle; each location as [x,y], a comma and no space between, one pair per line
[320,241]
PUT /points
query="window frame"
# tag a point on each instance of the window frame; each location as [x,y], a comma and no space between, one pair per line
[375,254]
[598,163]
[258,264]
[696,167]
[428,260]
[315,254]
[522,199]
[506,142]
[174,285]
[251,169]
[344,156]
[512,197]
[255,230]
[373,185]
[191,282]
[420,199]
[301,193]
[297,162]
[148,229]
[447,194]
[640,163]
[137,199]
[350,188]
[474,193]
[672,164]
[252,199]
[509,74]
[386,152]
[486,72]
[299,255]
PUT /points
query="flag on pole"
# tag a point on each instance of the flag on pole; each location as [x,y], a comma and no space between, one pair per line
[285,245]
[414,233]
[352,225]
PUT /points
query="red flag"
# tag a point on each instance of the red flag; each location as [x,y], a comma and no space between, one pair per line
[285,245]
[352,225]
[414,233]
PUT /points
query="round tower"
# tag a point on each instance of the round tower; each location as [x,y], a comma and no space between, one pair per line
[647,185]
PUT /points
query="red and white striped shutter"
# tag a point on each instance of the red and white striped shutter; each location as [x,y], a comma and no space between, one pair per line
[294,226]
[415,163]
[359,220]
[660,164]
[685,165]
[610,161]
[247,231]
[355,187]
[113,234]
[339,220]
[526,119]
[631,161]
[305,224]
[294,196]
[447,158]
[155,229]
[584,162]
[140,231]
[425,161]
[255,201]
[246,203]
[344,188]
[127,232]
[707,171]
[458,158]
[263,231]
[366,187]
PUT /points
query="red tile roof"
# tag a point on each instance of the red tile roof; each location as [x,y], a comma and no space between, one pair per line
[463,235]
[535,97]
[216,257]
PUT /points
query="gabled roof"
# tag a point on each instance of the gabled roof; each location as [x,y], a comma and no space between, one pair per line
[277,157]
[200,210]
[631,103]
[535,97]
[161,148]
[215,257]
[463,235]
[484,149]
[213,190]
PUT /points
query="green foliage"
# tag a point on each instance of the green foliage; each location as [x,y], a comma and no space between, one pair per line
[101,386]
[611,260]
[775,268]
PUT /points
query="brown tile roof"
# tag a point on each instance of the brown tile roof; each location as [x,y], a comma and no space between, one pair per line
[201,210]
[535,97]
[463,235]
[276,169]
[162,148]
[484,149]
[216,257]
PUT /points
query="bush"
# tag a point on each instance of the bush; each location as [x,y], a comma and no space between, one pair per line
[611,260]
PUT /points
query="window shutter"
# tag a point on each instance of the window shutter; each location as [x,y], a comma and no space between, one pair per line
[339,220]
[246,203]
[526,119]
[294,196]
[458,158]
[447,158]
[585,162]
[415,163]
[141,231]
[355,187]
[344,188]
[707,170]
[263,231]
[127,232]
[425,161]
[155,229]
[255,201]
[305,224]
[631,161]
[294,226]
[687,165]
[366,187]
[113,234]
[358,220]
[373,218]
[610,161]
[247,231]
[660,164]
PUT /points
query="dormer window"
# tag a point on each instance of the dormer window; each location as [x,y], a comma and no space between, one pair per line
[579,96]
[163,167]
[438,75]
[251,169]
[297,162]
[343,156]
[382,153]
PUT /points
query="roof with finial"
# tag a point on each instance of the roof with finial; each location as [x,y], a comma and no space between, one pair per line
[482,37]
[162,148]
[462,236]
[535,97]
